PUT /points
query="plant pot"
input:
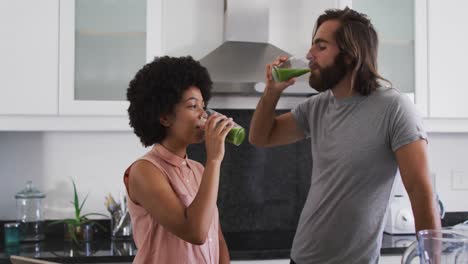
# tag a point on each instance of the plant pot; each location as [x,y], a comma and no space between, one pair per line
[82,233]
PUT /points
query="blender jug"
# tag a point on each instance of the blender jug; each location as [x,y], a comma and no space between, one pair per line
[30,213]
[437,247]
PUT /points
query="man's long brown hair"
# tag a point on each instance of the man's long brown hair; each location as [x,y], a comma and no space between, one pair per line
[358,40]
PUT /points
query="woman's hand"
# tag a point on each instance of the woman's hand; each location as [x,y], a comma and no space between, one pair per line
[216,128]
[271,85]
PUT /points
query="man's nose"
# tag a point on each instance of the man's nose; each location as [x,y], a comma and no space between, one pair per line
[309,55]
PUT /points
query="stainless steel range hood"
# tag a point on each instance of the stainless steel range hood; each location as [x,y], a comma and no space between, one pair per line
[237,67]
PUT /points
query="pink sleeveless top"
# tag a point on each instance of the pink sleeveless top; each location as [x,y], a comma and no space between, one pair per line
[156,244]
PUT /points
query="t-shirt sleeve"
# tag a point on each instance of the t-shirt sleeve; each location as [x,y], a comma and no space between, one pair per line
[301,114]
[405,123]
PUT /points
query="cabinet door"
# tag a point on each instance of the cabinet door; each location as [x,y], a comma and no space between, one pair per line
[292,23]
[390,260]
[102,45]
[448,40]
[29,57]
[196,29]
[402,58]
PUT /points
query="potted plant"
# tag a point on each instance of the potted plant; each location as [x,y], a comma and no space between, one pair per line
[79,228]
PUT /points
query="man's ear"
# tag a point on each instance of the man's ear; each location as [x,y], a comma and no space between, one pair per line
[348,60]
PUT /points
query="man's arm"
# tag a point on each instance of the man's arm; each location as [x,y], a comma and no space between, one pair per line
[223,248]
[413,163]
[265,128]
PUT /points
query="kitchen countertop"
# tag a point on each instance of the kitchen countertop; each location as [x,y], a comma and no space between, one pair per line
[242,246]
[107,251]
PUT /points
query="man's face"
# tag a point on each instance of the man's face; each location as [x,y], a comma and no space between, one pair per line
[327,77]
[329,66]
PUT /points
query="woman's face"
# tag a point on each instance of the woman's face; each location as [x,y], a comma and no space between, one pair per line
[185,121]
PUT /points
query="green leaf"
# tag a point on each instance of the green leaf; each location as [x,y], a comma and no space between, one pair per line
[76,202]
[65,221]
[71,232]
[96,214]
[81,206]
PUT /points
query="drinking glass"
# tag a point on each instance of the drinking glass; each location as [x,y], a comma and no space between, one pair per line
[293,67]
[438,246]
[235,136]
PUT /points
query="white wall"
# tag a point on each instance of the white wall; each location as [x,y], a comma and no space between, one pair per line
[448,155]
[97,160]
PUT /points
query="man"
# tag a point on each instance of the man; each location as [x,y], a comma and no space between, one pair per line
[360,134]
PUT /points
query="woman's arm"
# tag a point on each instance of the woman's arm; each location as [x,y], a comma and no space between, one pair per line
[223,249]
[152,190]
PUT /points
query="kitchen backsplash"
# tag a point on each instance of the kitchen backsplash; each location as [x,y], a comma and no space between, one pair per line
[270,177]
[260,188]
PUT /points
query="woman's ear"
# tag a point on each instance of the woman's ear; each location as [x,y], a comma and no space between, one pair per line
[165,120]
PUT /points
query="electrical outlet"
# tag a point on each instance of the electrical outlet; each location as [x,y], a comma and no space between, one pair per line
[459,180]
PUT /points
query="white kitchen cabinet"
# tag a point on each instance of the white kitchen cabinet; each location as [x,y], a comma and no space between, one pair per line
[386,259]
[292,23]
[448,40]
[102,45]
[29,57]
[192,27]
[402,29]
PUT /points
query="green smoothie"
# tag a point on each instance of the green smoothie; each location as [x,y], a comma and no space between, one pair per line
[284,74]
[236,135]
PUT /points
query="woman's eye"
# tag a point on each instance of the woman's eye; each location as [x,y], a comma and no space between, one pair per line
[193,106]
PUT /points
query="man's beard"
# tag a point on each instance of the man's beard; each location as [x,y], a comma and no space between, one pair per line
[329,76]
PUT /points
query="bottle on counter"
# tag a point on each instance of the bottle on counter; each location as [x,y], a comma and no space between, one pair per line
[30,213]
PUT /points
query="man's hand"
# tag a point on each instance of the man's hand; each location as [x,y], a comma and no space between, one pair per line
[271,85]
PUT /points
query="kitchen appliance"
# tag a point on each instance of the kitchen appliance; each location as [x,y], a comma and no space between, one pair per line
[463,227]
[399,217]
[237,66]
[30,213]
[438,246]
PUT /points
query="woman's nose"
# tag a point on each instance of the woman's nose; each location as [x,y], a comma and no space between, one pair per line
[204,114]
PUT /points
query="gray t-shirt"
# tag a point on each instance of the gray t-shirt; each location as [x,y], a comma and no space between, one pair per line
[353,141]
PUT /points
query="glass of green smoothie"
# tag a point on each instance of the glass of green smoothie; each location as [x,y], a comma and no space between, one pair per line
[293,67]
[237,133]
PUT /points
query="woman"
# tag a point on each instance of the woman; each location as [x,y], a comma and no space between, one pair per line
[172,199]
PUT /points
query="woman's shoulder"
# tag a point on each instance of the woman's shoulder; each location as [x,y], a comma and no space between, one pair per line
[196,164]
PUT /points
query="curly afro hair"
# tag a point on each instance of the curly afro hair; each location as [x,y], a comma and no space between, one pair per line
[157,88]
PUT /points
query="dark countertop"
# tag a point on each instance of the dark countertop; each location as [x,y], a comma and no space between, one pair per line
[242,246]
[106,250]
